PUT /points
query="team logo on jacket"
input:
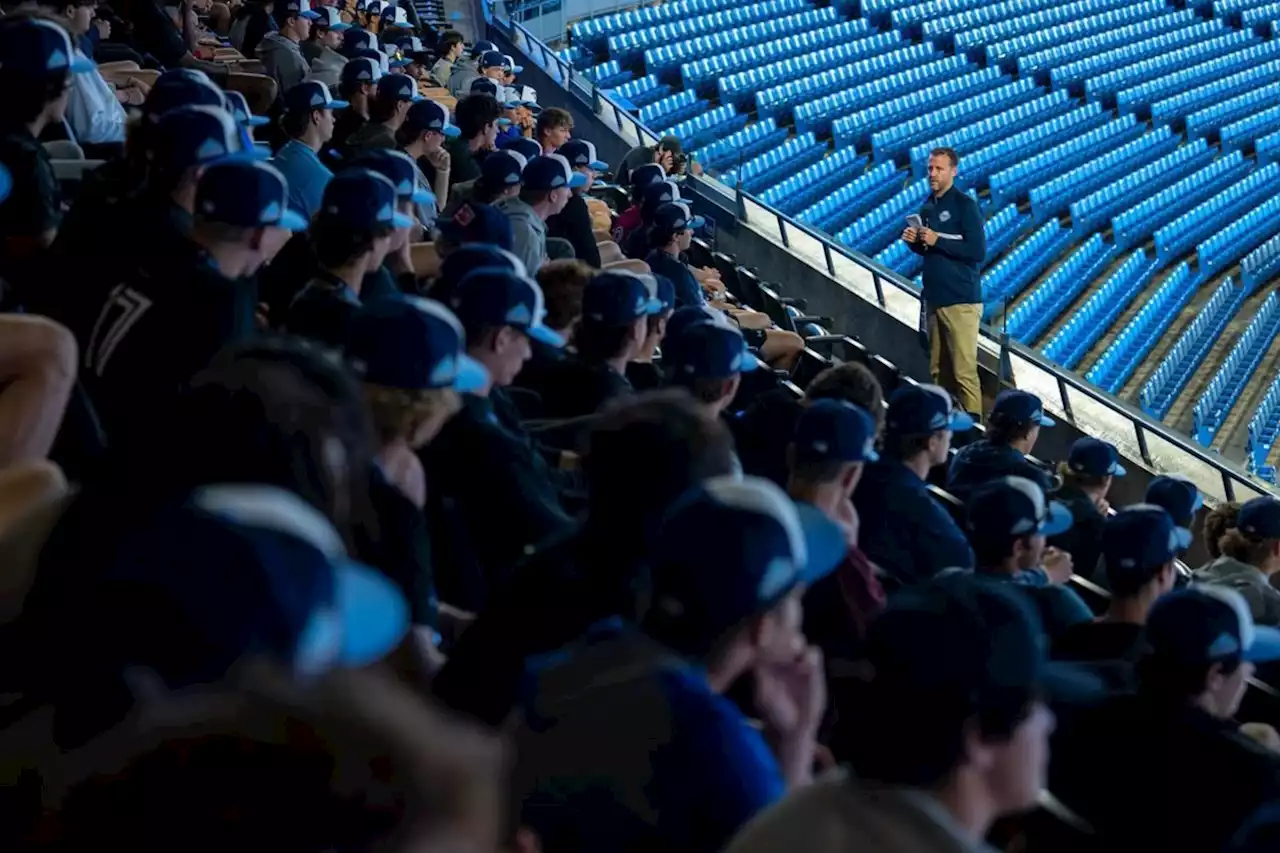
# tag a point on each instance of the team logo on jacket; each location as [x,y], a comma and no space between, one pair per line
[945,215]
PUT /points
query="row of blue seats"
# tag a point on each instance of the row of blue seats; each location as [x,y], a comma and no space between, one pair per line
[1262,263]
[916,79]
[594,31]
[1173,107]
[628,44]
[672,109]
[835,212]
[1207,217]
[1225,8]
[1225,112]
[805,187]
[1267,148]
[1042,306]
[872,232]
[1053,196]
[608,75]
[1110,82]
[898,257]
[1098,206]
[1002,229]
[778,26]
[1239,237]
[1264,426]
[748,69]
[1012,18]
[900,137]
[861,114]
[919,12]
[1135,51]
[1140,221]
[992,128]
[1015,270]
[1174,371]
[877,8]
[708,127]
[777,99]
[1138,98]
[641,91]
[1091,320]
[1224,389]
[1260,15]
[1057,45]
[746,143]
[977,165]
[1140,335]
[1010,183]
[766,169]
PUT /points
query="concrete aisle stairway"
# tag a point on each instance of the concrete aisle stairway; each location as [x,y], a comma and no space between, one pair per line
[1233,437]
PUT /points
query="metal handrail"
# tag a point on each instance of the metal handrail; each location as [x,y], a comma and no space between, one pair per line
[1232,476]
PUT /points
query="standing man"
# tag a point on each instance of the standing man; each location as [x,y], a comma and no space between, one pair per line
[953,245]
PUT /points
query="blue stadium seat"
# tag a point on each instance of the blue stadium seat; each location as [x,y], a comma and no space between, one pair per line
[1208,216]
[968,95]
[1261,264]
[1079,70]
[738,73]
[977,165]
[988,130]
[740,146]
[1140,221]
[1171,107]
[1226,385]
[833,213]
[766,169]
[873,232]
[1264,426]
[784,18]
[1053,196]
[804,188]
[1092,320]
[1044,49]
[1104,86]
[1039,308]
[776,100]
[1015,270]
[1097,207]
[1011,183]
[1228,110]
[708,127]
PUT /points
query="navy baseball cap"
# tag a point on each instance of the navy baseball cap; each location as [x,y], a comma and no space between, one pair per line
[491,59]
[363,201]
[413,46]
[395,59]
[188,137]
[466,258]
[356,39]
[523,146]
[617,299]
[655,195]
[835,431]
[426,116]
[331,19]
[1140,538]
[706,350]
[482,47]
[412,344]
[550,172]
[239,108]
[181,87]
[581,153]
[398,168]
[687,315]
[499,92]
[1012,507]
[300,8]
[477,223]
[1206,623]
[922,410]
[361,69]
[664,290]
[262,571]
[311,95]
[731,549]
[492,296]
[1259,518]
[36,49]
[399,17]
[1095,458]
[1021,407]
[502,169]
[1179,496]
[649,173]
[398,87]
[246,195]
[670,219]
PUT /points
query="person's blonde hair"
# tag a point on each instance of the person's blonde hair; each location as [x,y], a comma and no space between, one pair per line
[398,414]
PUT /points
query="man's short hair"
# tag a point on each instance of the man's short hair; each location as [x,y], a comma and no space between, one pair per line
[448,39]
[474,112]
[949,153]
[562,284]
[853,383]
[553,118]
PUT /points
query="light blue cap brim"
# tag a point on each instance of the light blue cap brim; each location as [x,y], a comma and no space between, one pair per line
[399,220]
[399,63]
[293,221]
[257,121]
[1183,537]
[248,155]
[341,26]
[824,541]
[455,16]
[750,362]
[653,306]
[472,375]
[405,26]
[309,15]
[696,222]
[870,456]
[375,616]
[597,166]
[504,122]
[1046,421]
[1195,505]
[1058,521]
[1265,646]
[451,131]
[516,69]
[423,196]
[1118,470]
[960,422]
[338,105]
[81,65]
[542,334]
[578,180]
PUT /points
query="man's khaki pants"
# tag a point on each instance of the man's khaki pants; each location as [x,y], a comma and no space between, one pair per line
[953,353]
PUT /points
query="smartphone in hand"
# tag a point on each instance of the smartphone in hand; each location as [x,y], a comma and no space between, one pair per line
[914,221]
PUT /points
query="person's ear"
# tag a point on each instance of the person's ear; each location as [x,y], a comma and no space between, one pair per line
[978,755]
[849,476]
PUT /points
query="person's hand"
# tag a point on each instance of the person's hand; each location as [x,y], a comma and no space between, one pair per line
[103,28]
[695,168]
[439,160]
[847,518]
[140,85]
[910,235]
[1057,565]
[927,236]
[663,158]
[791,696]
[1103,505]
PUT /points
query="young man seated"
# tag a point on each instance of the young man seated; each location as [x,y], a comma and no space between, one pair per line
[308,122]
[422,136]
[281,52]
[357,87]
[547,184]
[477,118]
[708,359]
[1012,430]
[394,94]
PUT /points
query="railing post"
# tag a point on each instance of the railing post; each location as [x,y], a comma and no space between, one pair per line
[782,232]
[1143,450]
[831,262]
[1228,486]
[1062,391]
[879,285]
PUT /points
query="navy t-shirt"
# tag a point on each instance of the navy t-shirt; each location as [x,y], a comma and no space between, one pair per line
[688,291]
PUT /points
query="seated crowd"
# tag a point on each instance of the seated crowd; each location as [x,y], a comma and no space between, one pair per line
[377,474]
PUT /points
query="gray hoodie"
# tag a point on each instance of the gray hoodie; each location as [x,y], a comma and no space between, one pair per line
[1250,582]
[327,67]
[461,78]
[283,60]
[530,233]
